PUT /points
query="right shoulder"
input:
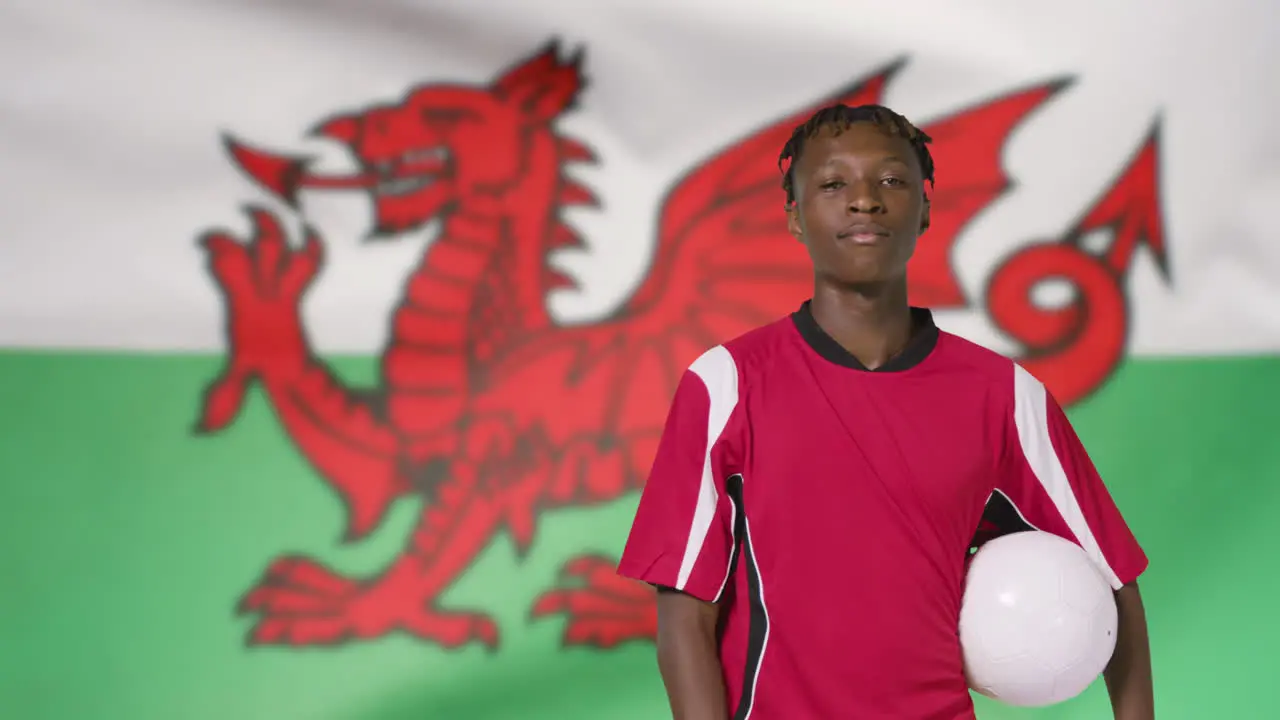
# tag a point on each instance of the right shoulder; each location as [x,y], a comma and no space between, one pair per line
[730,367]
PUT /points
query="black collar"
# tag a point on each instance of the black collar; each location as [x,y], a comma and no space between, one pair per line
[921,344]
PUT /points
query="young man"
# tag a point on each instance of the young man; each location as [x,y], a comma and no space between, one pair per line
[820,479]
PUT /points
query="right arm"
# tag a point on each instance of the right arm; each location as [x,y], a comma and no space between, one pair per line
[688,656]
[682,539]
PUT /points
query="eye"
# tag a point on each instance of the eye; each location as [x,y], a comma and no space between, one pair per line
[832,185]
[894,182]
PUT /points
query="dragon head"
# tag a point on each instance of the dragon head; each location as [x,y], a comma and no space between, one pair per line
[439,148]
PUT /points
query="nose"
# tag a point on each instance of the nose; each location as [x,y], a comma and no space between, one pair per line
[864,198]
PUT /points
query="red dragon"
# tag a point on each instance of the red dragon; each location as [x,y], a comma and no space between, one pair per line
[494,412]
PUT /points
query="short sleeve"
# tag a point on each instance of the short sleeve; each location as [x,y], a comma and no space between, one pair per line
[1051,481]
[683,533]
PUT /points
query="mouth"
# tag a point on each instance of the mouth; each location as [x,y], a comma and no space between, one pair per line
[407,173]
[864,233]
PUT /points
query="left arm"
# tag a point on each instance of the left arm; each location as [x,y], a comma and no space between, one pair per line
[1128,676]
[1048,476]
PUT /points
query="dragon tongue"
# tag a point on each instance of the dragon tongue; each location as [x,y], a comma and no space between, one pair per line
[285,175]
[280,174]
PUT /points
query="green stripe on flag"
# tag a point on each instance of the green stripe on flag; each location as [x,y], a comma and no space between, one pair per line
[128,542]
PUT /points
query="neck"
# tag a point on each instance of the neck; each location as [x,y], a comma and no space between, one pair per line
[872,322]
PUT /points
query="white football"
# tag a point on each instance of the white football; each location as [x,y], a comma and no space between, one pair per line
[1038,620]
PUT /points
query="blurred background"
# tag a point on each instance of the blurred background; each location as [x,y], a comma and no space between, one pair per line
[189,430]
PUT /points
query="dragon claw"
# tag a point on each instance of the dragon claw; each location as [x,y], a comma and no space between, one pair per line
[261,280]
[604,608]
[301,602]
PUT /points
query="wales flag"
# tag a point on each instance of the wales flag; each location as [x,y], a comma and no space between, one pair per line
[336,337]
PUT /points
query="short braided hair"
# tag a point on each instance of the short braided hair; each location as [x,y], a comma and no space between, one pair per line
[840,117]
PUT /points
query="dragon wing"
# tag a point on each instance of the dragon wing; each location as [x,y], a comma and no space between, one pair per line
[967,148]
[724,265]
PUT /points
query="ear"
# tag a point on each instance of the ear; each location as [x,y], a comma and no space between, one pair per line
[924,215]
[543,86]
[793,222]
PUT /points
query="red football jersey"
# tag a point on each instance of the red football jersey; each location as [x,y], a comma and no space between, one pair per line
[830,510]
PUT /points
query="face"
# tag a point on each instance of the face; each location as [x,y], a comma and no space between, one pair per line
[859,204]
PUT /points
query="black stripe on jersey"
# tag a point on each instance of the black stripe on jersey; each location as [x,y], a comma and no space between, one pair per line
[999,517]
[758,618]
[734,481]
